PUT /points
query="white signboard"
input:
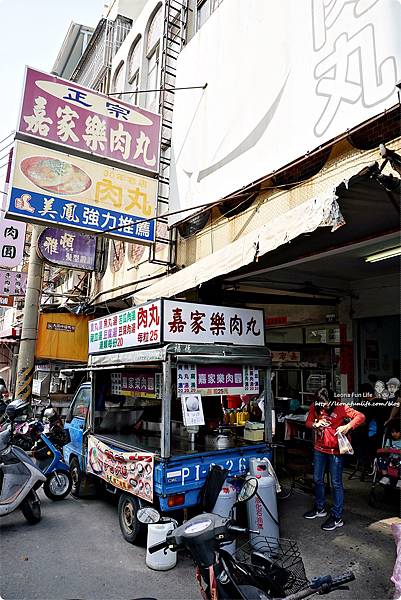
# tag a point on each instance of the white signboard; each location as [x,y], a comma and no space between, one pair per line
[134,327]
[12,239]
[309,72]
[192,410]
[12,283]
[208,324]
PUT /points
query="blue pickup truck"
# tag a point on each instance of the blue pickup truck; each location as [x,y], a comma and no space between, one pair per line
[130,431]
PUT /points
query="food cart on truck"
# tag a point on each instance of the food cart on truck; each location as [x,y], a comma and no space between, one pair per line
[154,415]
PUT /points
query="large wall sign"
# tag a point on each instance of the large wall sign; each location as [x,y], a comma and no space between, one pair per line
[208,324]
[65,113]
[174,321]
[309,72]
[50,187]
[67,248]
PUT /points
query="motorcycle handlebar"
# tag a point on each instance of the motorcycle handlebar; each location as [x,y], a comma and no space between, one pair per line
[157,547]
[327,585]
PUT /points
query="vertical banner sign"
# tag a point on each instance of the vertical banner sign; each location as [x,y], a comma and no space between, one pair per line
[12,283]
[12,239]
[128,471]
[192,410]
[59,111]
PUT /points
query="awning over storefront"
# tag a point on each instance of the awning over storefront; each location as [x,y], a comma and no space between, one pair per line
[305,218]
[10,336]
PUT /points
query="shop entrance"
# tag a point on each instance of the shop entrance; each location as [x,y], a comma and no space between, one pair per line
[379,348]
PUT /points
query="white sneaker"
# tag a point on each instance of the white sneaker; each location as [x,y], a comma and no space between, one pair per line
[384,481]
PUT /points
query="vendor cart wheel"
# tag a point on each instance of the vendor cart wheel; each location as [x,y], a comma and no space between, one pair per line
[128,507]
[76,477]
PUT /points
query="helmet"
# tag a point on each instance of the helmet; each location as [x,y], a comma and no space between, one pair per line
[50,414]
[17,407]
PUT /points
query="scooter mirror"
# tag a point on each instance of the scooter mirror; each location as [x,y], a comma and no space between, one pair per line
[148,515]
[248,490]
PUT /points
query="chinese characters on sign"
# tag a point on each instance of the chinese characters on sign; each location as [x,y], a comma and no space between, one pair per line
[134,327]
[67,248]
[12,283]
[286,356]
[59,111]
[61,327]
[135,384]
[12,238]
[346,39]
[54,188]
[128,471]
[192,410]
[213,380]
[201,323]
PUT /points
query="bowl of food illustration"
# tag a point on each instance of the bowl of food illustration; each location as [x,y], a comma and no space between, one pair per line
[55,176]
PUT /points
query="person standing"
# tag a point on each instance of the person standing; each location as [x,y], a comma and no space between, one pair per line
[327,419]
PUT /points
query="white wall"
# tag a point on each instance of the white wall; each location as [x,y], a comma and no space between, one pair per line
[283,78]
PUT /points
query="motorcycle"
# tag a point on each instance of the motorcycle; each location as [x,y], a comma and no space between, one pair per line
[262,569]
[43,441]
[19,475]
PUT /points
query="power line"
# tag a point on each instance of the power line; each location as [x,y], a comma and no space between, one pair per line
[6,138]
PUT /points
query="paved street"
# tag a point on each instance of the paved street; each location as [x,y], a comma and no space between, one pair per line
[77,552]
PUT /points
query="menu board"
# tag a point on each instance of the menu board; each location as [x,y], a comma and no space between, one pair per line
[211,380]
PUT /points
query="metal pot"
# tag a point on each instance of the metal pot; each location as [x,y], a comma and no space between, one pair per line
[219,441]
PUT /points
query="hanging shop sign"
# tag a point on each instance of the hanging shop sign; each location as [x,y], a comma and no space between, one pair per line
[12,238]
[192,410]
[134,327]
[136,384]
[62,336]
[204,323]
[128,471]
[12,283]
[50,187]
[182,322]
[67,248]
[278,356]
[6,300]
[211,380]
[70,115]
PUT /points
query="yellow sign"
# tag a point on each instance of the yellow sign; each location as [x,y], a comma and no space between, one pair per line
[62,336]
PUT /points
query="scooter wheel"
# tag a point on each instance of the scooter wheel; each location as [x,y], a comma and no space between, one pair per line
[30,508]
[58,485]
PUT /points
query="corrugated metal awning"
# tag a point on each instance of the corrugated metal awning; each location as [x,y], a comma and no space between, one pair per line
[305,218]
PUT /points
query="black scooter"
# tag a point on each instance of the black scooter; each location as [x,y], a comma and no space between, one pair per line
[263,569]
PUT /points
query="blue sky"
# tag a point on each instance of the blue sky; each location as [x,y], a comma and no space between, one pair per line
[31,32]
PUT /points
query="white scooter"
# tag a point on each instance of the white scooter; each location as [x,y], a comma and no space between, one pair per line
[19,475]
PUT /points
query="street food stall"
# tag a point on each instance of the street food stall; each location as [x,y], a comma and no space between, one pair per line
[154,416]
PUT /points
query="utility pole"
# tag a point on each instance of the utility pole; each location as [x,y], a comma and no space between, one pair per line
[29,334]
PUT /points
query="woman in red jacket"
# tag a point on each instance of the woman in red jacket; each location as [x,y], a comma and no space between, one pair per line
[327,420]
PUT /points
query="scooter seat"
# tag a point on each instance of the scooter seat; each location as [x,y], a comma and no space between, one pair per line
[4,439]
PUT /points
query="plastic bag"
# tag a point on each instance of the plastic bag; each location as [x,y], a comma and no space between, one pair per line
[344,444]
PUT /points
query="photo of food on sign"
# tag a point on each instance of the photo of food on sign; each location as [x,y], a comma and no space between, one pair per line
[53,187]
[129,471]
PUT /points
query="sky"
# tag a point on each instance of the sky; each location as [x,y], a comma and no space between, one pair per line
[31,33]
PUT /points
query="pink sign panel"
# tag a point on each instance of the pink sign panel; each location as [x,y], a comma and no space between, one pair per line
[219,376]
[12,283]
[12,240]
[68,114]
